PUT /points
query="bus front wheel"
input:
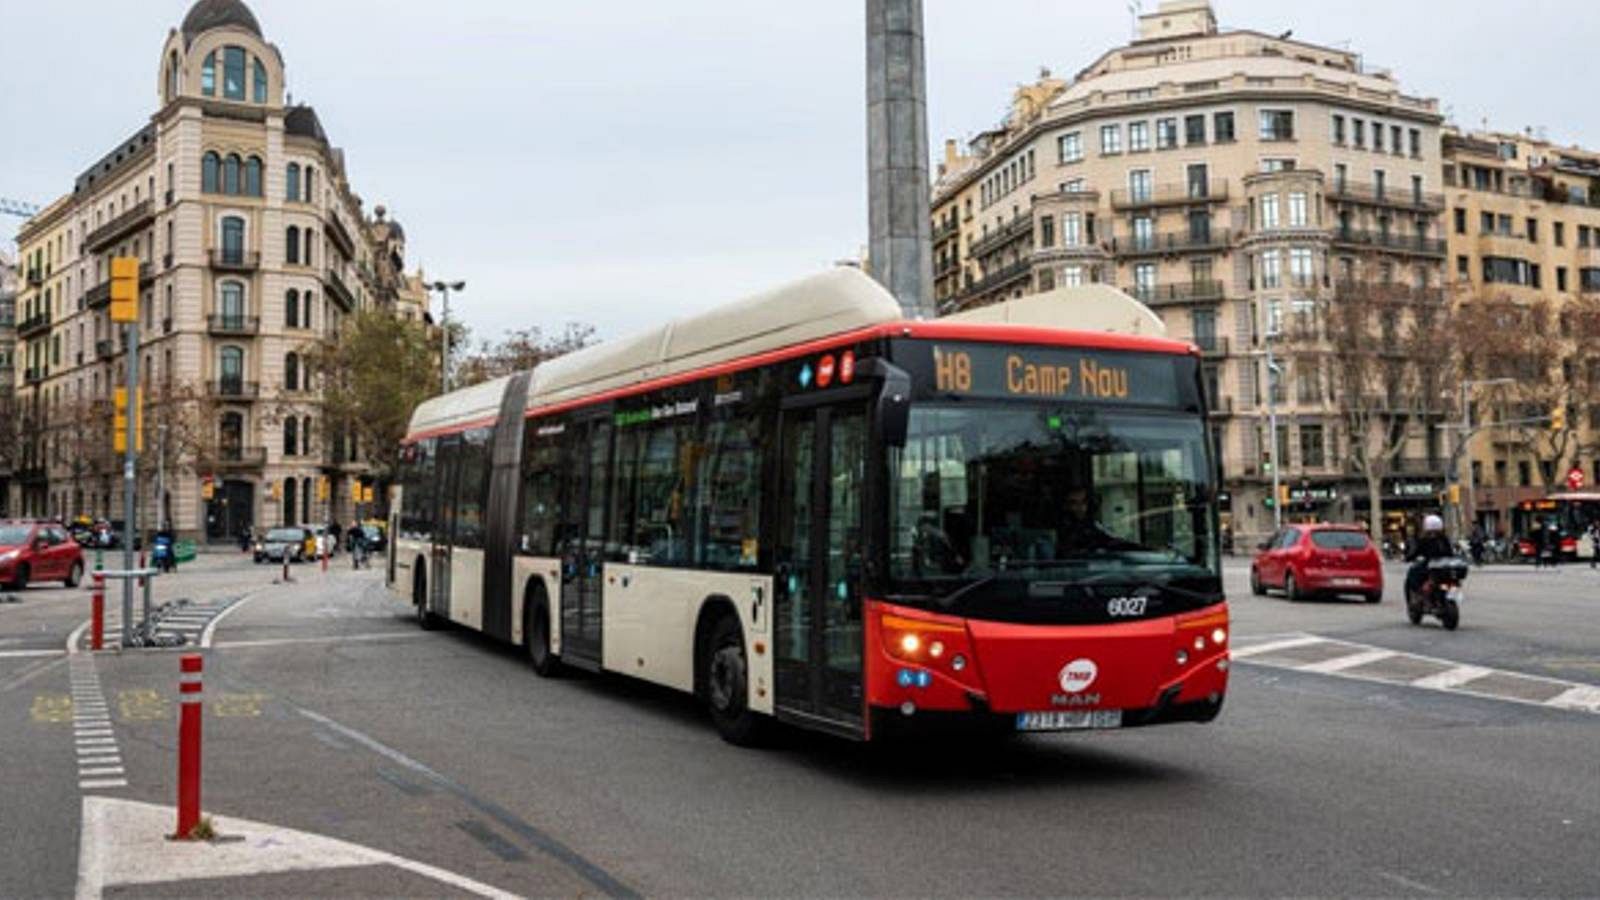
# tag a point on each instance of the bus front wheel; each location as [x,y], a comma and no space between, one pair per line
[728,685]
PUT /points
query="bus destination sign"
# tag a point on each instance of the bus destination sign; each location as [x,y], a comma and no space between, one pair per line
[1060,374]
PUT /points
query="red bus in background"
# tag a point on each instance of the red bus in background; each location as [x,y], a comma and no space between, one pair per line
[1572,512]
[802,507]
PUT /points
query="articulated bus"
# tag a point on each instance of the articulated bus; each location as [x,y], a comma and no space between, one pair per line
[1572,511]
[803,507]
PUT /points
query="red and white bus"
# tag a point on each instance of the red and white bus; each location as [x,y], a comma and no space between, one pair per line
[1572,512]
[804,507]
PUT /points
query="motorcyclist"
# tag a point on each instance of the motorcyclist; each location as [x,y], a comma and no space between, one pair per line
[1430,545]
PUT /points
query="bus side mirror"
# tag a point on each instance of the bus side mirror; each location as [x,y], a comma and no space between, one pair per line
[892,412]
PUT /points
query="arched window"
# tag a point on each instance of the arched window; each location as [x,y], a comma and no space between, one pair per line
[172,75]
[230,435]
[291,436]
[310,237]
[289,516]
[252,176]
[307,318]
[305,497]
[291,245]
[305,436]
[230,366]
[233,73]
[232,303]
[291,373]
[311,184]
[232,240]
[208,75]
[230,173]
[260,82]
[292,184]
[210,173]
[291,309]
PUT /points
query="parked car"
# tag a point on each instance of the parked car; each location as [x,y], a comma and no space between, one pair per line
[38,551]
[1307,560]
[281,542]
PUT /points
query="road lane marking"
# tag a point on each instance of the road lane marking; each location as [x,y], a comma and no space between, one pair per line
[94,784]
[1340,663]
[1582,697]
[1268,647]
[211,627]
[1451,678]
[103,770]
[29,654]
[353,638]
[94,738]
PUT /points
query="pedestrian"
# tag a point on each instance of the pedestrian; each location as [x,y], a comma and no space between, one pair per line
[1594,544]
[333,537]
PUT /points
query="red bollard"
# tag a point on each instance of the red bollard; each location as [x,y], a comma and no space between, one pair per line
[97,614]
[188,745]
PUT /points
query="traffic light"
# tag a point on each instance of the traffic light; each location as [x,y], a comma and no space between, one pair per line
[276,490]
[1283,494]
[355,492]
[1455,495]
[208,488]
[322,488]
[119,422]
[366,495]
[124,289]
[1558,418]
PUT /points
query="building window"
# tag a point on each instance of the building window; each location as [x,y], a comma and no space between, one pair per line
[230,370]
[1313,454]
[291,436]
[1416,144]
[231,303]
[291,245]
[1194,130]
[1394,140]
[1377,137]
[1138,136]
[1139,185]
[1271,270]
[230,174]
[1198,180]
[210,173]
[291,309]
[252,176]
[310,237]
[1072,186]
[1341,176]
[311,184]
[305,427]
[232,240]
[1561,278]
[1358,134]
[291,372]
[1110,139]
[1558,233]
[1047,280]
[260,84]
[292,183]
[1072,229]
[1144,233]
[233,73]
[1461,221]
[1338,130]
[208,75]
[1047,231]
[1277,124]
[1222,128]
[1300,267]
[1297,210]
[1072,276]
[1533,231]
[1166,134]
[1071,146]
[1144,281]
[1269,211]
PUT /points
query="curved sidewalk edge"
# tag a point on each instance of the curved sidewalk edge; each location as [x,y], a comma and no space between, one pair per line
[123,842]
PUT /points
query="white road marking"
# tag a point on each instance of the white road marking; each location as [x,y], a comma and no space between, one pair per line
[105,770]
[1270,646]
[278,642]
[1340,663]
[123,843]
[27,654]
[1582,697]
[98,783]
[211,627]
[1452,677]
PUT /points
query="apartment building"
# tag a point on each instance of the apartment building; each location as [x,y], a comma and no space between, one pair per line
[252,245]
[1233,180]
[8,343]
[1524,225]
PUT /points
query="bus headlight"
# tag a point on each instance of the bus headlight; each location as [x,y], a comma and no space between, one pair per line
[910,644]
[1219,636]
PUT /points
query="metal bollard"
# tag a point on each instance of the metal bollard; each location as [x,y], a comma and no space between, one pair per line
[189,693]
[97,614]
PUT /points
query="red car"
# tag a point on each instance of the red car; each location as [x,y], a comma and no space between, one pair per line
[38,551]
[1306,560]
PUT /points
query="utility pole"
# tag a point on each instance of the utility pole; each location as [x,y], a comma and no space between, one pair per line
[445,287]
[125,310]
[900,232]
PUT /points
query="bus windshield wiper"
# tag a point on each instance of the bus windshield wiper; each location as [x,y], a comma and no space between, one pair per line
[949,600]
[1144,583]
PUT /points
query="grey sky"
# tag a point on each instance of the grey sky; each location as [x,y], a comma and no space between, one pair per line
[620,162]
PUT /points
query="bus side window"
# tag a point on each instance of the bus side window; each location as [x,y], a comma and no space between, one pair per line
[541,494]
[728,513]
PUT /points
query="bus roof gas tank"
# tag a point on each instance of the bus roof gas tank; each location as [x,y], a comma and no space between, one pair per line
[1090,307]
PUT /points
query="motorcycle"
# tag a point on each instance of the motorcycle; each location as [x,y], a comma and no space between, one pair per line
[1440,593]
[161,554]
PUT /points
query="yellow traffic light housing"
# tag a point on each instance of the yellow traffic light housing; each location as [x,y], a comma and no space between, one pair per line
[125,289]
[1558,419]
[119,422]
[322,488]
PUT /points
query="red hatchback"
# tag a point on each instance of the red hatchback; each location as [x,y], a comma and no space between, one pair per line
[1306,560]
[38,551]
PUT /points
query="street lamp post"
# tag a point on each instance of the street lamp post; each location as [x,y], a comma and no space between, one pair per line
[444,288]
[1462,438]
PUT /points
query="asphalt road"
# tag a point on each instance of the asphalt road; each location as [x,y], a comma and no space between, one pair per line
[328,711]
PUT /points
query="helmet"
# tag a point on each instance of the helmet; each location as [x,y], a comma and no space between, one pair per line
[1432,523]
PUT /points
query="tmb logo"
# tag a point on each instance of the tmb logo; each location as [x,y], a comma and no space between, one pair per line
[1076,676]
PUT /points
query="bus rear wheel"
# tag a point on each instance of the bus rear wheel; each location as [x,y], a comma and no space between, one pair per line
[728,685]
[419,599]
[536,637]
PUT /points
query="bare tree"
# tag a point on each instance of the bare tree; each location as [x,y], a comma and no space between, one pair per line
[520,350]
[1390,354]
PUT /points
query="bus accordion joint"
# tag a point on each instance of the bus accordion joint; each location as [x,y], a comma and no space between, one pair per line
[894,398]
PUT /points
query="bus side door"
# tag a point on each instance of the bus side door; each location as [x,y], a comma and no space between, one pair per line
[583,528]
[819,556]
[446,477]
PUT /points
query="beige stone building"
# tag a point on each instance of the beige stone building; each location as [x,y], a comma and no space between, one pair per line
[253,245]
[1524,224]
[8,344]
[1232,180]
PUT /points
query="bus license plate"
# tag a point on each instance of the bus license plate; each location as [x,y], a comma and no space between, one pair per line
[1058,720]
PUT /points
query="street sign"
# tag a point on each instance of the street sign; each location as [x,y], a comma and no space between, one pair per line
[1575,479]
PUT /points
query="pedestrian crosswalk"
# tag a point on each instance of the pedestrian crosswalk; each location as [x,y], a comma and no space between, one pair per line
[1318,655]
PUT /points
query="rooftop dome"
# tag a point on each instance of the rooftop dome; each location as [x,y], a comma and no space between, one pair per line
[208,14]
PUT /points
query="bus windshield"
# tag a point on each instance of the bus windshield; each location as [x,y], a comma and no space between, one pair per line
[1031,513]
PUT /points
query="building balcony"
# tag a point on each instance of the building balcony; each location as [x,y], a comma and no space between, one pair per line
[341,237]
[105,349]
[1390,242]
[1389,196]
[32,474]
[34,374]
[1213,191]
[995,240]
[233,389]
[943,268]
[946,231]
[997,278]
[35,277]
[336,291]
[138,216]
[226,325]
[1212,345]
[100,294]
[34,325]
[230,260]
[1211,241]
[235,458]
[1176,294]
